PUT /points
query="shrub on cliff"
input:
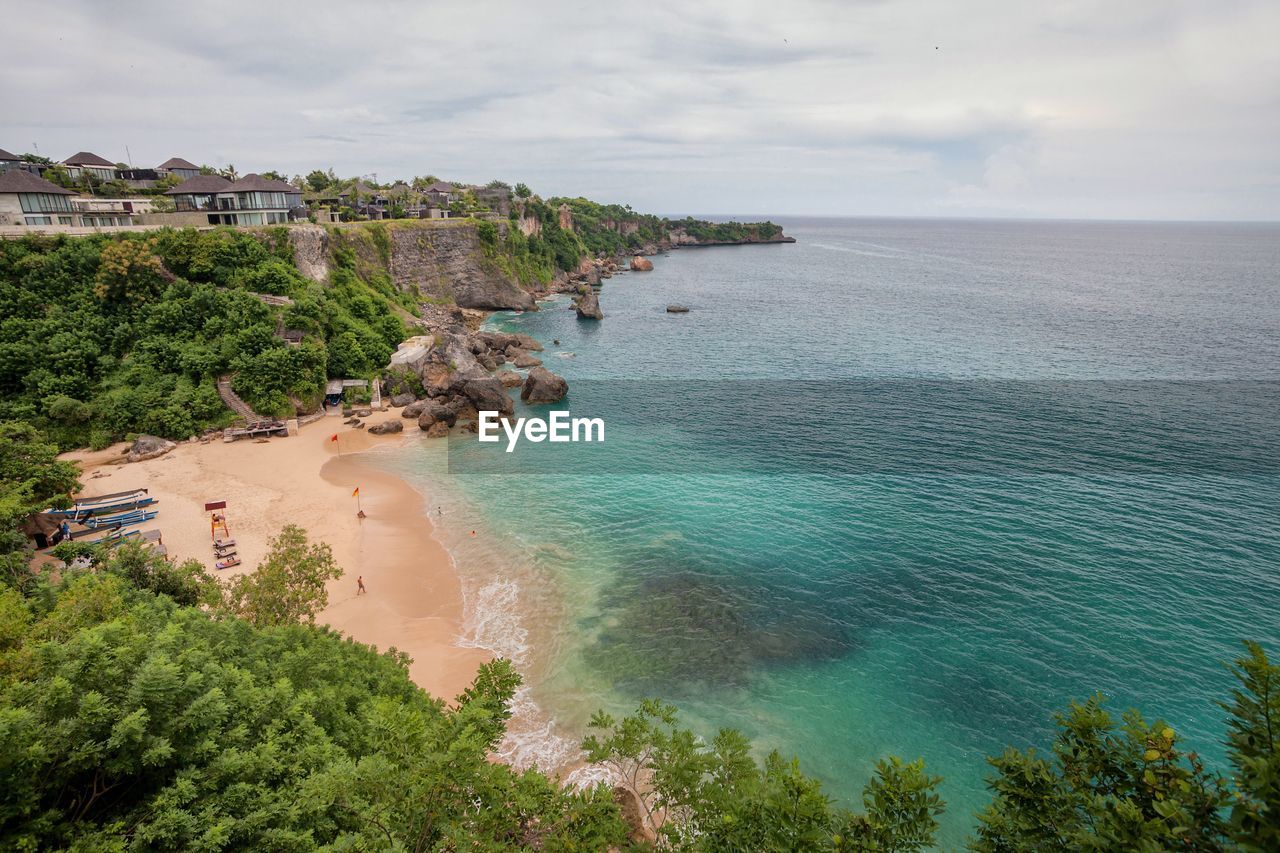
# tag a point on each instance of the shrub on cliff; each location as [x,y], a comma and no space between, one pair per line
[106,335]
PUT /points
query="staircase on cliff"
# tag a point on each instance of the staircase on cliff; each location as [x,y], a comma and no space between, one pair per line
[233,401]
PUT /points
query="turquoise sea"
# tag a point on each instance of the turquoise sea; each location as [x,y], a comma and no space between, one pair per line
[903,487]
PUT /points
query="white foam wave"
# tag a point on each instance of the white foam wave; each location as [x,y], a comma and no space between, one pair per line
[492,622]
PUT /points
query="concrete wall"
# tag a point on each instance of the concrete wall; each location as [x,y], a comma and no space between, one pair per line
[10,210]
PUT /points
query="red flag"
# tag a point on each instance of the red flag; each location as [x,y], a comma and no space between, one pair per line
[356,492]
[333,437]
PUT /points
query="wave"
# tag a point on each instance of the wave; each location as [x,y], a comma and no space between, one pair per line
[492,621]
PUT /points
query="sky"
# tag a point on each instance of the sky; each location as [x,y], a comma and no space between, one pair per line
[1142,109]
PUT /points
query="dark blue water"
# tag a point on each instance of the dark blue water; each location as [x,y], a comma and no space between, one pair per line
[897,554]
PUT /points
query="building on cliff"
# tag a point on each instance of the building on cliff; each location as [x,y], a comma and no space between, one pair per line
[252,200]
[86,162]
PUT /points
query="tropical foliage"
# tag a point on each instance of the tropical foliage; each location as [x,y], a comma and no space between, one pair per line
[105,336]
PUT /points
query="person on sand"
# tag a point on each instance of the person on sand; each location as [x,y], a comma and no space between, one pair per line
[473,533]
[360,585]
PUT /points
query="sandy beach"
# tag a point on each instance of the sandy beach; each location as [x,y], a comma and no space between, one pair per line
[414,599]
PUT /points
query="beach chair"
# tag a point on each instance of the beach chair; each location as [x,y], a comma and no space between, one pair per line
[233,560]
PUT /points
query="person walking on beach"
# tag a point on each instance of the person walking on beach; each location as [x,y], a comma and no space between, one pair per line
[360,585]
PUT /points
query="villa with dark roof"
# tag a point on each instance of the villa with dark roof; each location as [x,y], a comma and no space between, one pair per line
[88,162]
[177,166]
[252,200]
[29,200]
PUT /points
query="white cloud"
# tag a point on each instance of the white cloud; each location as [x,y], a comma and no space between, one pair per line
[1148,109]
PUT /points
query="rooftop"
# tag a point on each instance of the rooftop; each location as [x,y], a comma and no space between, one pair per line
[201,184]
[22,181]
[87,158]
[177,163]
[5,155]
[257,183]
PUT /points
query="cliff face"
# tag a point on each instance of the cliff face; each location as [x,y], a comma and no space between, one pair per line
[442,259]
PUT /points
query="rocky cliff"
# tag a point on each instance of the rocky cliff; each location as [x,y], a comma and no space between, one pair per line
[437,259]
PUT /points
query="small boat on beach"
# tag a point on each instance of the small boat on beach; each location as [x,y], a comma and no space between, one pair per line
[116,502]
[124,519]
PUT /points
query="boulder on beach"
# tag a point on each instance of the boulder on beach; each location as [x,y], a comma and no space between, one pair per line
[488,395]
[543,386]
[386,427]
[439,429]
[402,399]
[413,409]
[148,447]
[639,264]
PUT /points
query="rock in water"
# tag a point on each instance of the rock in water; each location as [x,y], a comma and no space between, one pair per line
[386,427]
[439,429]
[543,386]
[588,305]
[523,359]
[509,379]
[639,264]
[148,447]
[677,309]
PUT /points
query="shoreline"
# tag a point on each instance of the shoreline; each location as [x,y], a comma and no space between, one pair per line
[415,600]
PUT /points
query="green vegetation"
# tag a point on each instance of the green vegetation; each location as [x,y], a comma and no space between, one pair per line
[31,479]
[727,232]
[105,336]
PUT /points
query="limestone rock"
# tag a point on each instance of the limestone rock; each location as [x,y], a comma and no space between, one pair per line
[439,429]
[386,427]
[148,447]
[413,409]
[588,305]
[402,399]
[488,395]
[523,359]
[509,379]
[543,386]
[639,264]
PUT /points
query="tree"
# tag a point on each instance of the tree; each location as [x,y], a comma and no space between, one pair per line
[317,180]
[188,583]
[289,585]
[1130,787]
[700,796]
[129,271]
[523,191]
[31,479]
[1253,745]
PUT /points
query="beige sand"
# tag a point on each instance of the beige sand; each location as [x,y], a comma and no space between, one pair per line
[414,599]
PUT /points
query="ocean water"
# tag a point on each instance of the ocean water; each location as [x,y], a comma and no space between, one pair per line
[903,487]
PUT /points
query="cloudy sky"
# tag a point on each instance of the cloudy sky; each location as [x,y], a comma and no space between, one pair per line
[1093,108]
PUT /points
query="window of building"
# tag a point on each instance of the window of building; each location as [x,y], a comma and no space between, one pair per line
[64,220]
[39,220]
[42,202]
